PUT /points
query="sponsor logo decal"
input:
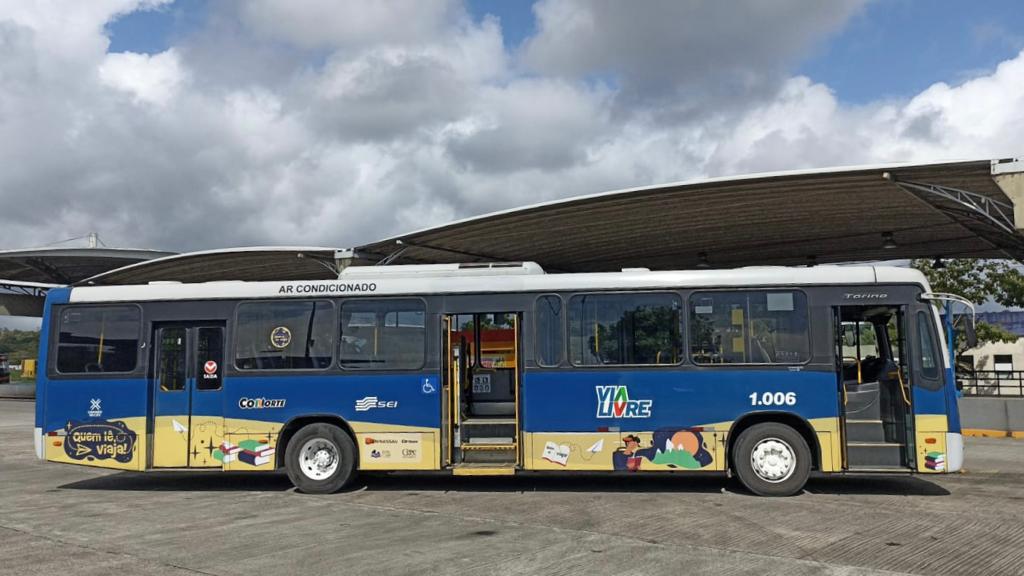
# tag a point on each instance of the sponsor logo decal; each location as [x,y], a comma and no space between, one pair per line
[99,441]
[371,402]
[258,403]
[95,410]
[393,447]
[280,337]
[614,402]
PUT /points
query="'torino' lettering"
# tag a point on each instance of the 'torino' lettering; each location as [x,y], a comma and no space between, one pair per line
[865,296]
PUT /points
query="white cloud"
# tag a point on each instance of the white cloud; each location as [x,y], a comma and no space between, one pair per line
[152,79]
[349,23]
[328,124]
[689,49]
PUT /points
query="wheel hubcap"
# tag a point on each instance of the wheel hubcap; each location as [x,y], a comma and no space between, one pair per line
[773,460]
[318,459]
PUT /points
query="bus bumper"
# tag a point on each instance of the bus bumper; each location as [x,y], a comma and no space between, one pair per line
[954,452]
[39,443]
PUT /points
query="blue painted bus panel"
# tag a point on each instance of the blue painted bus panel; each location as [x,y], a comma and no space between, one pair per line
[54,296]
[929,401]
[562,401]
[395,399]
[76,400]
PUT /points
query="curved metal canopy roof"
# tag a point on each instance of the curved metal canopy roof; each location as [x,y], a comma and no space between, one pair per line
[67,265]
[249,263]
[951,209]
[882,212]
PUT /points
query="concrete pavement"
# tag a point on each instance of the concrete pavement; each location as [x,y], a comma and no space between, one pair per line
[59,519]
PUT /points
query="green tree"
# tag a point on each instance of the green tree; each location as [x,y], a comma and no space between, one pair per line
[19,344]
[978,281]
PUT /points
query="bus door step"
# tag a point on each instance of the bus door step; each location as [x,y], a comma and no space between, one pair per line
[873,454]
[482,469]
[495,454]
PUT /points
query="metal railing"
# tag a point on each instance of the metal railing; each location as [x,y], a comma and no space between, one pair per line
[991,382]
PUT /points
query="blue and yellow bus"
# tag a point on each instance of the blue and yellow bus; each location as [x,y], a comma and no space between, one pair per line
[768,373]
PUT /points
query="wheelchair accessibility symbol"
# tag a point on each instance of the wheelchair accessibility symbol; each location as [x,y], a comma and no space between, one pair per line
[428,387]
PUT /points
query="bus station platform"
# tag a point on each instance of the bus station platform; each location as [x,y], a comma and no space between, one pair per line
[62,519]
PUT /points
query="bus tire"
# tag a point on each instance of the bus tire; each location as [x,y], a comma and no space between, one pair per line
[772,459]
[320,459]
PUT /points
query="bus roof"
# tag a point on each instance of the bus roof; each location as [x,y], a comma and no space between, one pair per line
[523,277]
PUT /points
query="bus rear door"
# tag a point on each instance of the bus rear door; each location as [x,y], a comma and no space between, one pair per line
[481,374]
[188,384]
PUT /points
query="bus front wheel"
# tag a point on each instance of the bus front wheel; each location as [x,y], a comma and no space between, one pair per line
[772,459]
[320,459]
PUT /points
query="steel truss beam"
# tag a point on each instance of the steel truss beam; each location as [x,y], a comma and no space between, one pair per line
[35,291]
[993,211]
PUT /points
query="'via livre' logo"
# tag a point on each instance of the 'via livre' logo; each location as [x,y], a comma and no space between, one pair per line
[614,402]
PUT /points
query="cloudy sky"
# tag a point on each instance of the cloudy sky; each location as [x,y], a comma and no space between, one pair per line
[190,125]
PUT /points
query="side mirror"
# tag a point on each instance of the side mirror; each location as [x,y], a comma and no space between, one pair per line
[970,335]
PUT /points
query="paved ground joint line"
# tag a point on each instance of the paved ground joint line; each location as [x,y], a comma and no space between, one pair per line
[618,536]
[104,551]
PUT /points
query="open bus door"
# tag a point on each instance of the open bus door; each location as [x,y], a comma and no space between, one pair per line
[482,374]
[876,401]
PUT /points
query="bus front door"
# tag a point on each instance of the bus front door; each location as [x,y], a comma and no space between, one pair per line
[875,398]
[482,374]
[188,411]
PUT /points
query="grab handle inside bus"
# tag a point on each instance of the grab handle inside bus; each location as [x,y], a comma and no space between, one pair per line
[903,388]
[860,377]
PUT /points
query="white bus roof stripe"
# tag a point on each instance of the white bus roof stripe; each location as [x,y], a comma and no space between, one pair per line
[385,285]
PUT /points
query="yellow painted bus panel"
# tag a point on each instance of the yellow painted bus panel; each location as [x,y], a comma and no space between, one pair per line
[118,444]
[397,450]
[930,439]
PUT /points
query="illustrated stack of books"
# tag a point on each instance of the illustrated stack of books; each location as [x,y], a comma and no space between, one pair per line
[255,452]
[935,461]
[226,452]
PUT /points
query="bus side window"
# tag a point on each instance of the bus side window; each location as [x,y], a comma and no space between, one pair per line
[383,334]
[294,335]
[749,327]
[549,331]
[172,354]
[98,339]
[630,329]
[211,347]
[929,353]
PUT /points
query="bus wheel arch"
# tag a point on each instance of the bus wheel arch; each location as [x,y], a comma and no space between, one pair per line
[319,453]
[777,425]
[790,419]
[297,423]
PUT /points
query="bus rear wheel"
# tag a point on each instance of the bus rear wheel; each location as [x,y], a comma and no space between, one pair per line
[772,459]
[320,459]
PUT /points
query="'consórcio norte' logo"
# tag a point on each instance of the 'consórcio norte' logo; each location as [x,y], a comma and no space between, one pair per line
[258,403]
